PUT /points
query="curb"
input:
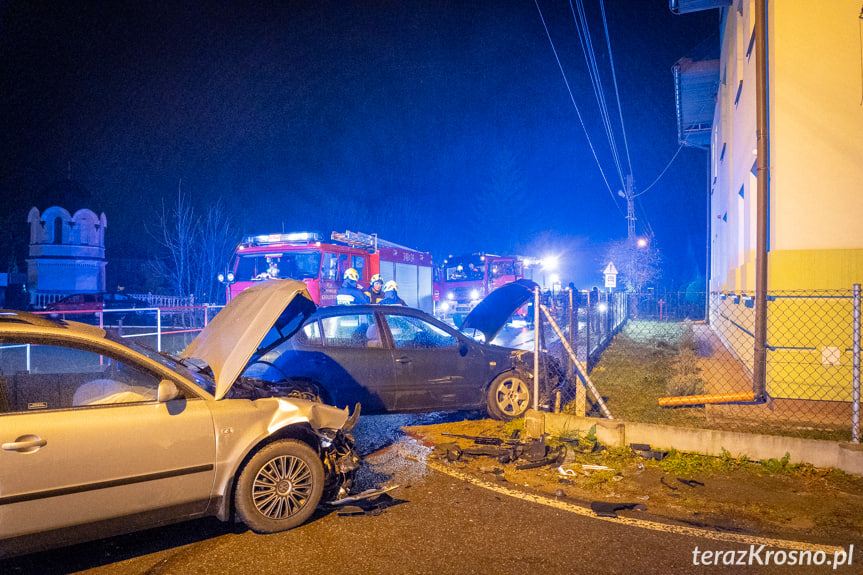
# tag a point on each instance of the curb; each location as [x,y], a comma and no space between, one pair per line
[842,455]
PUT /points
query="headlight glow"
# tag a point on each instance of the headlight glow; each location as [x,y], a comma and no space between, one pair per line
[474,294]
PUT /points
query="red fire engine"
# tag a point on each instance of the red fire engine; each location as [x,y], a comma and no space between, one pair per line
[321,265]
[462,281]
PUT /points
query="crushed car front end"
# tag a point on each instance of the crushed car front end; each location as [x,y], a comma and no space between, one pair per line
[246,428]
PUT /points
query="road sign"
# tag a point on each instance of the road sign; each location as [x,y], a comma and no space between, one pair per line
[610,275]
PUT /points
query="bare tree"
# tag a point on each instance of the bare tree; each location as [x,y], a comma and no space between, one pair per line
[175,234]
[637,265]
[194,249]
[216,242]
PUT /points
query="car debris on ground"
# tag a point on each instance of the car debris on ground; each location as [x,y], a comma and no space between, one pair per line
[533,454]
[610,509]
[368,502]
[647,452]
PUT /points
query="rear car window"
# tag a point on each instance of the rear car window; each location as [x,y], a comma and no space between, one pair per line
[351,330]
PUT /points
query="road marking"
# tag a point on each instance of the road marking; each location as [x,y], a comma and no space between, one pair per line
[641,523]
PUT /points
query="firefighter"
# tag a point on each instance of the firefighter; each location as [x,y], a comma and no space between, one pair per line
[350,292]
[391,295]
[376,293]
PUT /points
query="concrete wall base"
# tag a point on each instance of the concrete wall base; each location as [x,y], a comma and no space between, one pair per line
[840,455]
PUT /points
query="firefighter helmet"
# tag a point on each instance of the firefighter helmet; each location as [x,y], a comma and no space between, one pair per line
[391,286]
[352,274]
[376,278]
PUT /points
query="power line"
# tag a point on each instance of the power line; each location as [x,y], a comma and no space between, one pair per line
[574,105]
[662,173]
[583,29]
[616,92]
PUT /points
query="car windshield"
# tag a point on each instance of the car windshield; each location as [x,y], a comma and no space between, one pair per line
[281,265]
[201,380]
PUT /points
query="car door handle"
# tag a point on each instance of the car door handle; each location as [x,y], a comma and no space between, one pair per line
[403,360]
[32,443]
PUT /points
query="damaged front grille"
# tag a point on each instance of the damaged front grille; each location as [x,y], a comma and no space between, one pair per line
[553,376]
[341,463]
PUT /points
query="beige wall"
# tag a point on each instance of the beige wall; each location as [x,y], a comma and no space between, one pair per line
[816,163]
[816,125]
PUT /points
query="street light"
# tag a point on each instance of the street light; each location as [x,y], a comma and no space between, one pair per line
[550,263]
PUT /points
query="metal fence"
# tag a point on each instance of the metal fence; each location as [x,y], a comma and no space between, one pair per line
[677,359]
[168,329]
[688,359]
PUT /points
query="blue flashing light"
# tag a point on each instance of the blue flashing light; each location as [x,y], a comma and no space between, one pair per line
[265,239]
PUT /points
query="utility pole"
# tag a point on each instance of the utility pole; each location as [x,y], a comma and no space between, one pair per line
[630,227]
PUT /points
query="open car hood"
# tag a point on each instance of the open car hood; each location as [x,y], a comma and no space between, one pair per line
[491,314]
[230,339]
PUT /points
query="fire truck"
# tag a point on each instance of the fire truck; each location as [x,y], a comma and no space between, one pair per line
[321,264]
[462,281]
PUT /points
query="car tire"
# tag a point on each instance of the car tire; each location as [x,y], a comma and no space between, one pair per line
[280,487]
[509,396]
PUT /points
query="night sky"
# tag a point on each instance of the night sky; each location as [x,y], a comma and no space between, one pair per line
[441,125]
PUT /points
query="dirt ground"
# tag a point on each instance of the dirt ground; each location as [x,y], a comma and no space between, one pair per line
[745,497]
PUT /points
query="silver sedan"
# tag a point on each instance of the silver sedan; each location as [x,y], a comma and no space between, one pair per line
[98,438]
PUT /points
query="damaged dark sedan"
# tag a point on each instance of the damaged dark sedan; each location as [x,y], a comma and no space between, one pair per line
[394,359]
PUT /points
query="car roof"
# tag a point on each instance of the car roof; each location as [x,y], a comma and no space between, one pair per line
[369,308]
[12,321]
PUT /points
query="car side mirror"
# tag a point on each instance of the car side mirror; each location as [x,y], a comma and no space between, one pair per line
[463,348]
[167,391]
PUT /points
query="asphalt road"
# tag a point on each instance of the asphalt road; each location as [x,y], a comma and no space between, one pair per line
[436,523]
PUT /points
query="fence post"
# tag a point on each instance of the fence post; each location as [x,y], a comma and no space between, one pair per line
[587,330]
[569,366]
[536,348]
[855,385]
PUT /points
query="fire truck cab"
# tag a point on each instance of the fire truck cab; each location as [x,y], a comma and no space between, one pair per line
[463,281]
[321,264]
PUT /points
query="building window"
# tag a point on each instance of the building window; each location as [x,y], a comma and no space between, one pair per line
[58,231]
[751,44]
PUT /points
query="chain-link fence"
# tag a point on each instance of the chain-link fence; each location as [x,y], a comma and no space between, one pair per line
[689,359]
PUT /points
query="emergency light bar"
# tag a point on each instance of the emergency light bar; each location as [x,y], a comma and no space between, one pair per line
[281,238]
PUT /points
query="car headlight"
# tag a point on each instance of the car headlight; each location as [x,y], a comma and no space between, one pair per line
[444,306]
[450,295]
[474,294]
